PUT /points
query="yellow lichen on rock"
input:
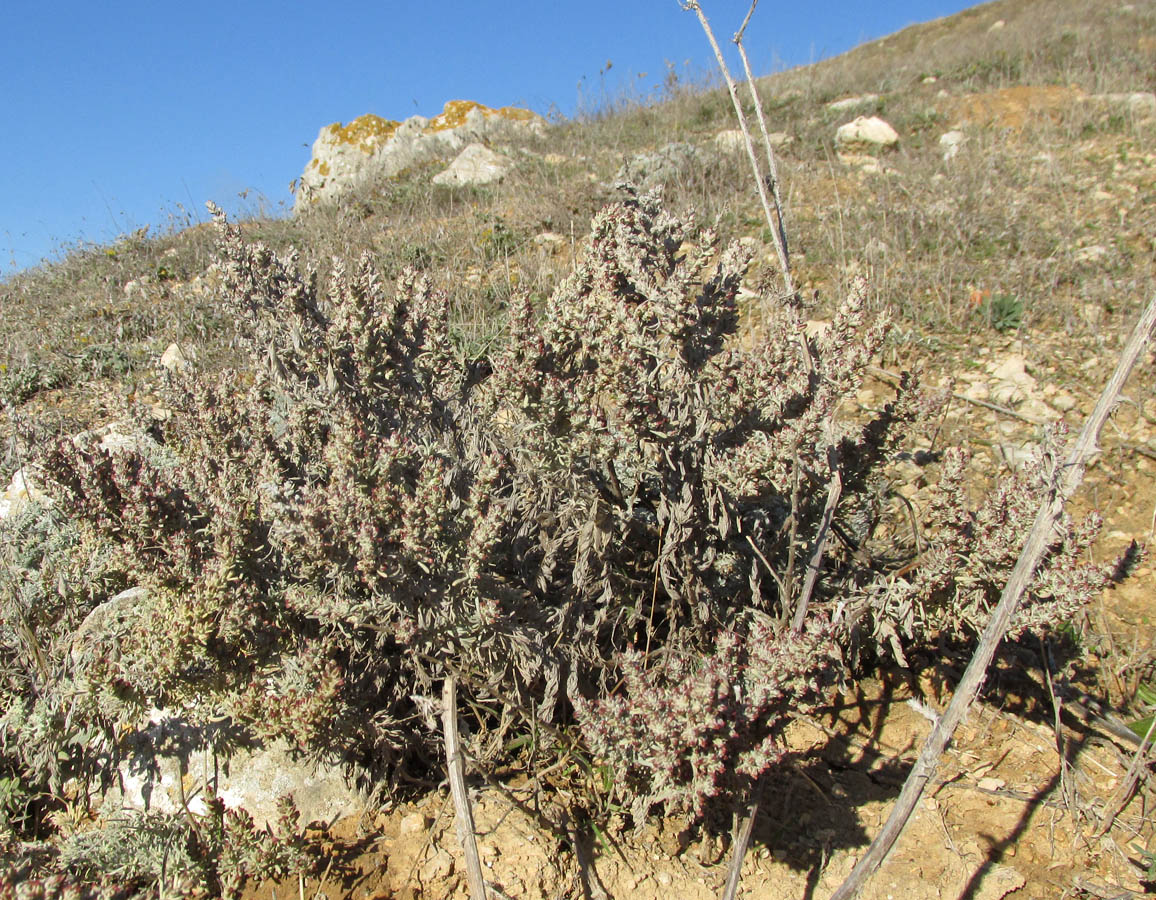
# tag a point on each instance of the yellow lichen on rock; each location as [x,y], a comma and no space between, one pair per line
[517,114]
[454,115]
[366,132]
[455,112]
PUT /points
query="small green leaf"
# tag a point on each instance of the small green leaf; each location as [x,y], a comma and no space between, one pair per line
[1141,726]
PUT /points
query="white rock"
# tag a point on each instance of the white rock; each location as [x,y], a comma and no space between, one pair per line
[951,141]
[1013,368]
[477,164]
[1064,402]
[1138,104]
[21,491]
[1016,456]
[346,156]
[168,751]
[414,823]
[1094,253]
[102,618]
[1035,408]
[1092,313]
[178,359]
[1011,384]
[865,133]
[730,141]
[997,25]
[977,391]
[550,242]
[852,102]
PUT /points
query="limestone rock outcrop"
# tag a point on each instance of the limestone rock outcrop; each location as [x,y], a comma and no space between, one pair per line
[345,156]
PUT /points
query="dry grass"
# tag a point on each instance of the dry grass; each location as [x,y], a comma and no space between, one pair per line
[1013,215]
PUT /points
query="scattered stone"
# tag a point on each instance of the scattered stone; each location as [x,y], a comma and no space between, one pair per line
[977,391]
[345,156]
[438,867]
[865,134]
[477,164]
[1064,402]
[1010,383]
[1016,456]
[730,141]
[997,25]
[929,79]
[550,242]
[177,359]
[103,619]
[667,163]
[415,823]
[1092,313]
[1035,408]
[951,141]
[168,757]
[21,491]
[1094,253]
[848,103]
[1138,104]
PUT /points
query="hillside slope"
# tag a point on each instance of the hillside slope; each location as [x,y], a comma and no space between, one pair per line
[1013,268]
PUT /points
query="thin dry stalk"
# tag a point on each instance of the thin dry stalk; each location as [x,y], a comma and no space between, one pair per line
[780,247]
[1128,788]
[781,244]
[815,563]
[743,841]
[1065,480]
[464,819]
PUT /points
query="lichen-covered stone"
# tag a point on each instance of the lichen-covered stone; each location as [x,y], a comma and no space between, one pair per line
[345,156]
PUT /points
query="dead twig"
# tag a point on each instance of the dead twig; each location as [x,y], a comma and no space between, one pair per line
[464,819]
[780,248]
[834,492]
[1065,480]
[743,840]
[1104,891]
[1128,788]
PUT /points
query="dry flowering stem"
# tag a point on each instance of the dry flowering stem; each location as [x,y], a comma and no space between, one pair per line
[1064,483]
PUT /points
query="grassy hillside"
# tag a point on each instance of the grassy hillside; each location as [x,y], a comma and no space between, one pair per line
[1044,176]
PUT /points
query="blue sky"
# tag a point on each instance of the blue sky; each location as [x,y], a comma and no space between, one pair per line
[119,115]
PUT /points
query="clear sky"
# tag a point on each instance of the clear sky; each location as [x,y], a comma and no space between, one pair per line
[118,115]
